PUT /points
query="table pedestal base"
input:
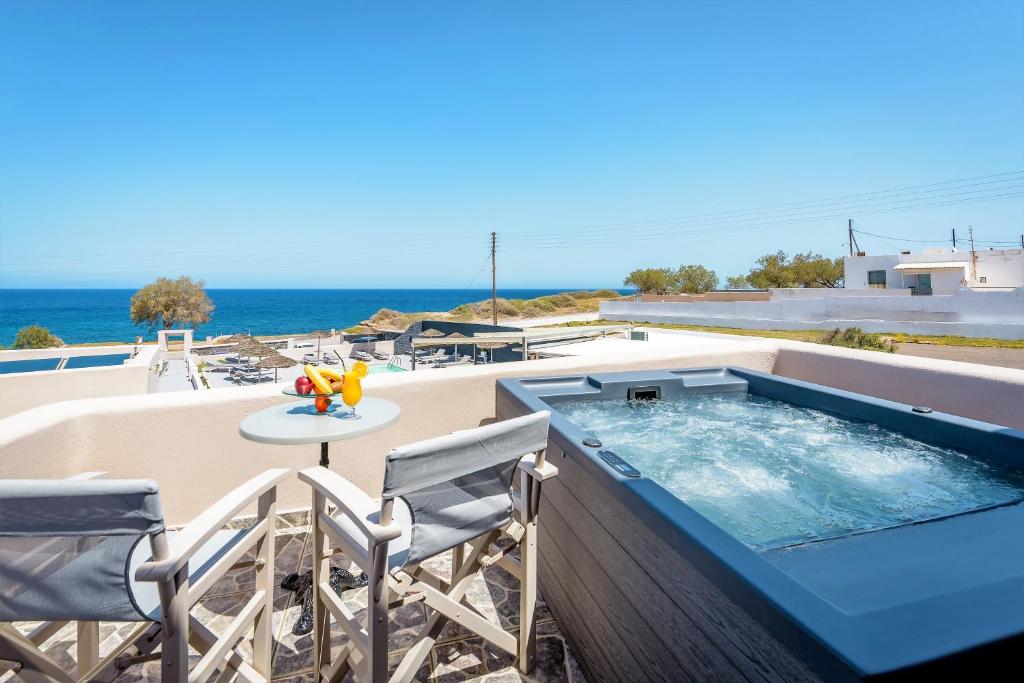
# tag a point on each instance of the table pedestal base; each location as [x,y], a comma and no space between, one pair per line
[302,584]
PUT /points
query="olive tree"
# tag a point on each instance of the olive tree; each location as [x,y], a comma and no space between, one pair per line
[737,282]
[803,270]
[171,303]
[694,279]
[650,280]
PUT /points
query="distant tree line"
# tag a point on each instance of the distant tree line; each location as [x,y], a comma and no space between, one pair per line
[690,279]
[770,270]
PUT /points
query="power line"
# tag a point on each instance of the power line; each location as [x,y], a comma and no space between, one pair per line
[965,183]
[487,259]
[919,241]
[705,229]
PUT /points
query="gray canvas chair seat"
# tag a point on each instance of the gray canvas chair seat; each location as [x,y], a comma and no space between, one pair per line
[398,549]
[146,593]
[87,550]
[453,493]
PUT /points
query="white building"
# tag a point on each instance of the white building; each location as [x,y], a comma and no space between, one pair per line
[937,271]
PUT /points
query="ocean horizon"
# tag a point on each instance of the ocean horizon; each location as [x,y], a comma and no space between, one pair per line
[97,315]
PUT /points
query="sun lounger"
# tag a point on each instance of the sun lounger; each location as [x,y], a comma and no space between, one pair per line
[362,355]
[310,358]
[329,361]
[381,355]
[450,494]
[256,377]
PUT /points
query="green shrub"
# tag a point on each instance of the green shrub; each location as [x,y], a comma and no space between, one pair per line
[546,305]
[856,338]
[36,337]
[506,308]
[605,294]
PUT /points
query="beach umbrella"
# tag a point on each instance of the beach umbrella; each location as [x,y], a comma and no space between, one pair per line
[234,339]
[251,347]
[319,334]
[431,333]
[456,335]
[275,361]
[490,346]
[366,339]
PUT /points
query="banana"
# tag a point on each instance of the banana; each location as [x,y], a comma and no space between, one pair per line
[330,374]
[321,385]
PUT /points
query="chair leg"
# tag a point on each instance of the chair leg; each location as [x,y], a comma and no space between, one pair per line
[462,577]
[528,580]
[321,569]
[88,647]
[262,645]
[34,666]
[174,648]
[377,596]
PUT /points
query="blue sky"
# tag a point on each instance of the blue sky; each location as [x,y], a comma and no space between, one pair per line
[342,145]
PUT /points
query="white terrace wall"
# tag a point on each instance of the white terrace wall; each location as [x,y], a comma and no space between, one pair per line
[967,313]
[189,441]
[785,293]
[24,390]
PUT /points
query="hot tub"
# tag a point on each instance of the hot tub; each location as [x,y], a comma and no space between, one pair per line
[726,524]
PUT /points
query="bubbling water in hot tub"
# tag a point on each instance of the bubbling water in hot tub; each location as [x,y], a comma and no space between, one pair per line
[772,473]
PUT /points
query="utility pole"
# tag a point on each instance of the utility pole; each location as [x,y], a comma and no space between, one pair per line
[954,238]
[850,239]
[974,257]
[494,279]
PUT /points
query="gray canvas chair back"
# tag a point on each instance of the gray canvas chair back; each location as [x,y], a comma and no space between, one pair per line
[65,547]
[459,486]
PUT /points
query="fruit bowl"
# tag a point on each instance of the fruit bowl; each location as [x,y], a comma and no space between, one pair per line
[315,408]
[323,385]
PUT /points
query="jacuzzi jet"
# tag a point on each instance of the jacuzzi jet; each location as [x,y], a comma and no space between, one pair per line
[643,394]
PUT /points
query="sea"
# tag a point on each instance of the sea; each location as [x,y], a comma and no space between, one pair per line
[95,315]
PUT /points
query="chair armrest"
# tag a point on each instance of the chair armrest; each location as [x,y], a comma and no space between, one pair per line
[198,531]
[351,500]
[544,472]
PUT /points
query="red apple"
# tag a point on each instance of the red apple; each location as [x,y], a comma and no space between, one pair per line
[304,386]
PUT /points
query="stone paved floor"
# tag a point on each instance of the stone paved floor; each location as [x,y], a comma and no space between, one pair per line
[458,656]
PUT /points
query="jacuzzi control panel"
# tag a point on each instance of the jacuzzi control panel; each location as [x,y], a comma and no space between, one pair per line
[618,464]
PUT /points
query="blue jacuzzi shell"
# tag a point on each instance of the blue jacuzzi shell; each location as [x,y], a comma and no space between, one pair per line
[646,588]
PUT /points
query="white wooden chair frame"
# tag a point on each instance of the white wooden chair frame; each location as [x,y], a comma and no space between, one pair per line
[366,651]
[22,655]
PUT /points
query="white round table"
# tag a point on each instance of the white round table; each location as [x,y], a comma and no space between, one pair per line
[299,423]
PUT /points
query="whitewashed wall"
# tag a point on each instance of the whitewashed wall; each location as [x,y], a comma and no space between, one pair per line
[24,390]
[968,313]
[189,442]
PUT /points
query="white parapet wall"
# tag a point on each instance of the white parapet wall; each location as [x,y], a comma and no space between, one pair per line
[967,313]
[24,390]
[189,442]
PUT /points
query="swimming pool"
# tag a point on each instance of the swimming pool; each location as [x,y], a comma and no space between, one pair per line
[54,363]
[34,365]
[731,524]
[378,369]
[75,362]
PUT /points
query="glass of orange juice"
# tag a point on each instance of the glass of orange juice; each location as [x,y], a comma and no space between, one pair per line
[352,388]
[351,394]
